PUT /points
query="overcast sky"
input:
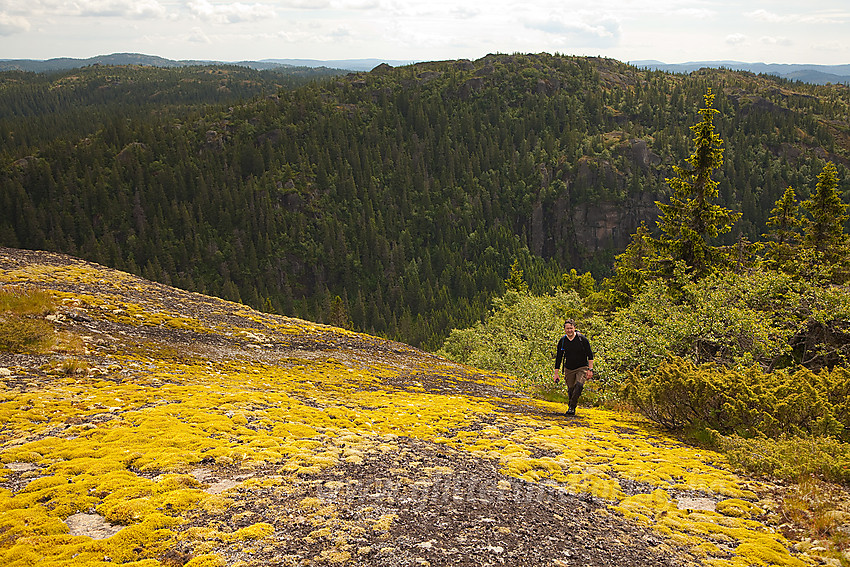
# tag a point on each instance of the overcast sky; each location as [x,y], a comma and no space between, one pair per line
[672,31]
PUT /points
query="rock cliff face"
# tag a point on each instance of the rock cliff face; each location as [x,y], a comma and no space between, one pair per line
[578,232]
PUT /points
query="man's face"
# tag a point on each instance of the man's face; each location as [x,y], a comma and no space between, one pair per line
[570,330]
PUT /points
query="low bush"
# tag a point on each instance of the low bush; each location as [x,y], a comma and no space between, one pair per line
[680,395]
[790,458]
[518,338]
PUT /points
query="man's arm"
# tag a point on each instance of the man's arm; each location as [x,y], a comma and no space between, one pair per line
[558,356]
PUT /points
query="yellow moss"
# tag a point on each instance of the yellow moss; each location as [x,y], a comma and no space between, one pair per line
[160,410]
[384,522]
[706,549]
[205,547]
[207,560]
[767,551]
[254,531]
[311,503]
[133,543]
[321,532]
[126,511]
[334,557]
[199,533]
[738,508]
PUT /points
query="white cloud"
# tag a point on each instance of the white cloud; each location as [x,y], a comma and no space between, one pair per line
[781,41]
[230,13]
[695,13]
[307,4]
[198,36]
[357,4]
[341,33]
[97,8]
[464,12]
[735,39]
[580,29]
[13,24]
[817,18]
[770,17]
[149,9]
[833,46]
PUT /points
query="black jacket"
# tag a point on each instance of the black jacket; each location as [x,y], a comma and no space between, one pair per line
[574,353]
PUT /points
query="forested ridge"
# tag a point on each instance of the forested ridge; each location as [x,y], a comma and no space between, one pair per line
[393,201]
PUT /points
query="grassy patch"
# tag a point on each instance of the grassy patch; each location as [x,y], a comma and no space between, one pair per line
[22,325]
[790,458]
[25,335]
[26,301]
[813,510]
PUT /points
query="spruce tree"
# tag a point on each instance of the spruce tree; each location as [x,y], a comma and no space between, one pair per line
[691,220]
[823,233]
[632,268]
[783,233]
[516,280]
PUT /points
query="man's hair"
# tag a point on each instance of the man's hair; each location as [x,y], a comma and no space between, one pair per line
[570,322]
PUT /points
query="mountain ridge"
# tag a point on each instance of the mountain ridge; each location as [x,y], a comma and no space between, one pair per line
[806,73]
[393,201]
[65,63]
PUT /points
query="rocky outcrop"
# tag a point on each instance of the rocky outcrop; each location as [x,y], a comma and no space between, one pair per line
[575,233]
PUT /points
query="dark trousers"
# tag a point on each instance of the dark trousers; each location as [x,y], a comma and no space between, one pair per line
[575,378]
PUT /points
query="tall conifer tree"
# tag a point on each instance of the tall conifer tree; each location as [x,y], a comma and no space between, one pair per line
[783,232]
[823,233]
[692,219]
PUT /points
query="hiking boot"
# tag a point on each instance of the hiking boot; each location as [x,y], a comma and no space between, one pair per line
[570,412]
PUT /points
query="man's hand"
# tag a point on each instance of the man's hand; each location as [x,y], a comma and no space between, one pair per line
[557,376]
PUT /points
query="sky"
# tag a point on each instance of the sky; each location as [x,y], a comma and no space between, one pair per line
[671,31]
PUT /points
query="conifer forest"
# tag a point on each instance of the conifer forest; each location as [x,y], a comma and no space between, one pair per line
[396,201]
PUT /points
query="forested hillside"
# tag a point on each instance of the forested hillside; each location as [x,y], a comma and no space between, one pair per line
[393,201]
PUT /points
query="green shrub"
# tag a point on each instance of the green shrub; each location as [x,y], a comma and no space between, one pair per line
[681,395]
[790,458]
[518,338]
[729,319]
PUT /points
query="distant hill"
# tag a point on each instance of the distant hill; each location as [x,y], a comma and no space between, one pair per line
[814,74]
[393,201]
[64,63]
[351,64]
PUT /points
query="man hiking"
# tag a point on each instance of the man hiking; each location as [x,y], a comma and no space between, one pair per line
[575,353]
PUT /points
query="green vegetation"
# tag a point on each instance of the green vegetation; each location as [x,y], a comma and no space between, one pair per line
[721,342]
[22,324]
[493,197]
[21,334]
[679,395]
[790,458]
[692,218]
[407,193]
[26,301]
[740,346]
